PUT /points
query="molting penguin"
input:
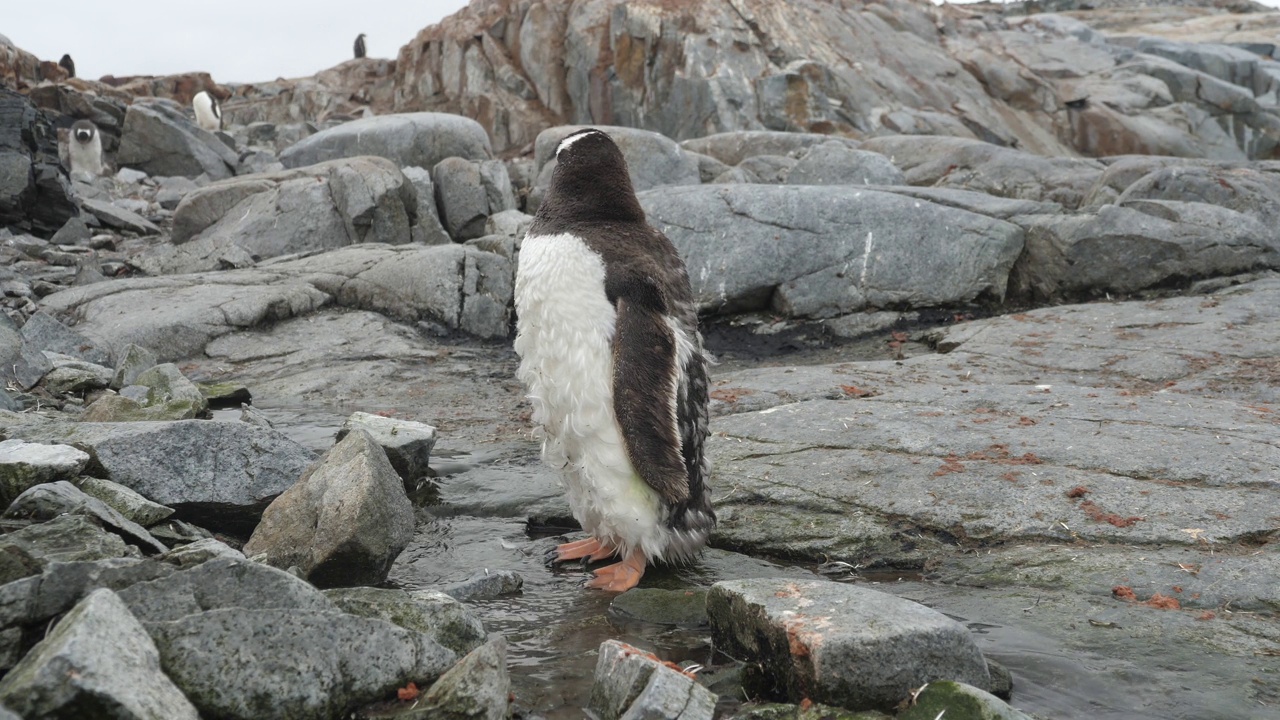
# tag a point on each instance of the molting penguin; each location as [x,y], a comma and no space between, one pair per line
[360,45]
[208,114]
[610,353]
[85,150]
[68,64]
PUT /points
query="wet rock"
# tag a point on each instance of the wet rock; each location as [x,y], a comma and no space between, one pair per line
[73,375]
[222,583]
[824,251]
[46,502]
[814,711]
[467,193]
[134,360]
[407,443]
[74,538]
[97,662]
[201,551]
[839,644]
[239,222]
[43,332]
[35,193]
[61,585]
[442,618]
[225,395]
[428,229]
[485,585]
[119,218]
[344,523]
[159,139]
[307,663]
[477,688]
[25,464]
[837,164]
[980,166]
[732,148]
[681,608]
[408,140]
[220,474]
[631,683]
[961,702]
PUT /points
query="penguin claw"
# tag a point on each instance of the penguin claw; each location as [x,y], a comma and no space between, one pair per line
[620,576]
[587,549]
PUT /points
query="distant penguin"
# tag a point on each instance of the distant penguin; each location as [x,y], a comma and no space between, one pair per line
[208,114]
[68,64]
[607,333]
[85,151]
[360,45]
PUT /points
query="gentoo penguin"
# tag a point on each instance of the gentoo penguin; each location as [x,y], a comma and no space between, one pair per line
[85,150]
[360,45]
[68,64]
[208,114]
[612,359]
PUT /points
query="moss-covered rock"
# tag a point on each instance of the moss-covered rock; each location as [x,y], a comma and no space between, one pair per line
[444,619]
[958,701]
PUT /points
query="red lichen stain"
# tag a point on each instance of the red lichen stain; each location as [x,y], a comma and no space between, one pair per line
[407,693]
[1024,420]
[950,464]
[1011,477]
[1177,588]
[805,704]
[1206,615]
[731,395]
[1097,514]
[855,391]
[1163,602]
[1077,491]
[1124,592]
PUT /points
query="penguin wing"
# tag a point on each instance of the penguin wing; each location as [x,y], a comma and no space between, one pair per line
[648,382]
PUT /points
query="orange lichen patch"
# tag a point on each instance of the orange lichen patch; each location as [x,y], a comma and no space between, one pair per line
[1163,602]
[1124,592]
[950,464]
[1097,514]
[1077,491]
[801,641]
[1011,477]
[632,650]
[1206,615]
[731,395]
[1024,420]
[855,391]
[407,693]
[805,704]
[999,453]
[791,590]
[1177,588]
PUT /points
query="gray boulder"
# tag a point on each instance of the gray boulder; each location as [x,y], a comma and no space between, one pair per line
[439,616]
[408,140]
[732,148]
[201,551]
[125,501]
[73,538]
[958,700]
[307,664]
[1249,191]
[97,662]
[164,393]
[344,523]
[485,585]
[428,229]
[26,464]
[160,140]
[839,644]
[407,443]
[222,583]
[56,588]
[468,192]
[35,192]
[43,332]
[119,218]
[838,164]
[631,684]
[768,169]
[217,474]
[238,222]
[50,500]
[824,251]
[72,375]
[477,688]
[134,360]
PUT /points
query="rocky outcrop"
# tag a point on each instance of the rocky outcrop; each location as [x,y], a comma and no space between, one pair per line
[408,140]
[35,193]
[159,139]
[343,92]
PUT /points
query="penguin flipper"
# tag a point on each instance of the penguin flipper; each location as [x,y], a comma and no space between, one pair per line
[646,381]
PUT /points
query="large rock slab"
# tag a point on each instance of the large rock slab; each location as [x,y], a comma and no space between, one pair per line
[59,586]
[241,221]
[633,684]
[74,538]
[125,501]
[160,140]
[344,523]
[307,664]
[444,619]
[836,643]
[44,333]
[50,500]
[732,148]
[222,583]
[419,139]
[835,163]
[97,662]
[467,193]
[824,251]
[24,465]
[217,474]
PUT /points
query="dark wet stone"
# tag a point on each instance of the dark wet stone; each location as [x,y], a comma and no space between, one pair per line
[684,608]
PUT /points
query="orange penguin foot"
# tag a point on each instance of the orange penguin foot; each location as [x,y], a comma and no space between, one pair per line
[621,576]
[589,548]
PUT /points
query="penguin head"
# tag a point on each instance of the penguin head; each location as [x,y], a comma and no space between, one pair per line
[591,180]
[83,131]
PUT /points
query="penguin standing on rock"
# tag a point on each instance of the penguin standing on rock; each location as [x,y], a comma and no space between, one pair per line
[360,45]
[68,64]
[208,113]
[612,359]
[85,151]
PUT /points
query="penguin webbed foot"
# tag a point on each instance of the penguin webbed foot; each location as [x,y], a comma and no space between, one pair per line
[620,576]
[588,550]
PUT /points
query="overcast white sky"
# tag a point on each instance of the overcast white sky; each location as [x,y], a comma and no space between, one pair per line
[235,40]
